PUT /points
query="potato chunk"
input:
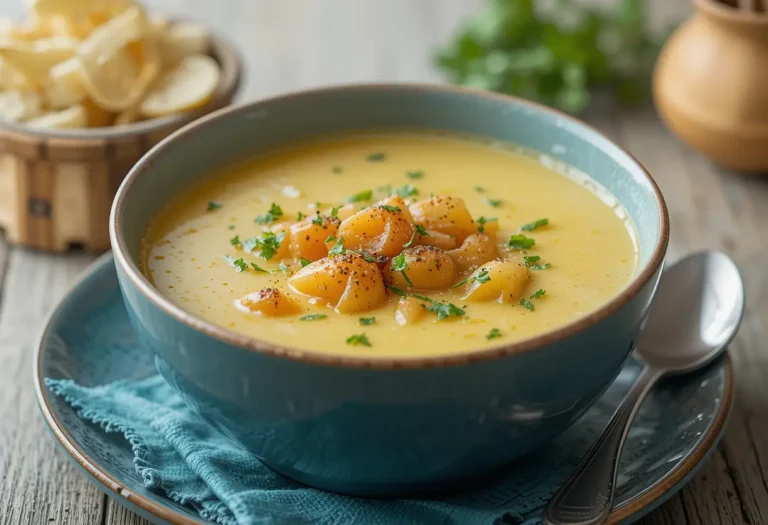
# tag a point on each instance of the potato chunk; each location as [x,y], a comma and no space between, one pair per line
[308,237]
[381,229]
[284,250]
[347,282]
[409,310]
[476,249]
[501,280]
[270,302]
[445,214]
[428,268]
[436,239]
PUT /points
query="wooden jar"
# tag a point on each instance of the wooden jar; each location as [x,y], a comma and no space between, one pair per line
[711,85]
[56,186]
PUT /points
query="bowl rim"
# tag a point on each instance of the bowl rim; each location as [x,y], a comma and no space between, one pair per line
[148,291]
[221,49]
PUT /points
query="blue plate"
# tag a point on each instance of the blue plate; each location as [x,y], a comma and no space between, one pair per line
[89,339]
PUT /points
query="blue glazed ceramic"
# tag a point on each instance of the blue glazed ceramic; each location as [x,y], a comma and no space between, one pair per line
[90,340]
[385,426]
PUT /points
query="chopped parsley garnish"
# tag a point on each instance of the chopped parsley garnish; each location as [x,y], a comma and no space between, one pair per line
[239,264]
[364,195]
[415,174]
[317,220]
[493,202]
[399,264]
[397,291]
[338,248]
[376,157]
[482,277]
[409,190]
[531,260]
[335,211]
[493,334]
[282,267]
[540,266]
[358,340]
[258,268]
[231,227]
[367,321]
[528,305]
[304,262]
[482,221]
[390,209]
[385,189]
[521,242]
[213,205]
[312,317]
[444,310]
[274,213]
[330,238]
[299,216]
[336,170]
[533,225]
[235,241]
[367,256]
[479,189]
[421,230]
[268,244]
[538,293]
[410,241]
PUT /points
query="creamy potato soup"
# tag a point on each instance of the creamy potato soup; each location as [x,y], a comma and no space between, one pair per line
[391,244]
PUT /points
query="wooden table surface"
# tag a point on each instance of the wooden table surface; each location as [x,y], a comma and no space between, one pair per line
[293,44]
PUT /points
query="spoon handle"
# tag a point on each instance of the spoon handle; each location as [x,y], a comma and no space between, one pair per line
[587,497]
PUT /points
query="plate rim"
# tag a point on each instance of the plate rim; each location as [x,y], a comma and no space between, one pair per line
[648,499]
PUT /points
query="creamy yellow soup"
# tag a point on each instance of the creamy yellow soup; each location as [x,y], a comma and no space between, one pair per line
[194,252]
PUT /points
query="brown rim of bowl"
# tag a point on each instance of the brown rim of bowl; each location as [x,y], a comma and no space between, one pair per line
[111,484]
[731,13]
[138,280]
[231,77]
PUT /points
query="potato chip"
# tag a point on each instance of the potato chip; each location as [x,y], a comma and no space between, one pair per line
[18,106]
[34,59]
[184,39]
[121,30]
[10,78]
[65,86]
[78,9]
[72,117]
[189,86]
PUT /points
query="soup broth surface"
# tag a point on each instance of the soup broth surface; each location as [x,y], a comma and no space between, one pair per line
[587,252]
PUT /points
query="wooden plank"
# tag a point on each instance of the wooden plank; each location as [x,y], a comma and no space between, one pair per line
[119,515]
[37,483]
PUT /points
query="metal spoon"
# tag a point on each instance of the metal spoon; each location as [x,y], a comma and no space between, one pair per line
[696,313]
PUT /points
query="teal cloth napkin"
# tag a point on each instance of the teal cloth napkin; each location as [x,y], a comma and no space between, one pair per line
[179,455]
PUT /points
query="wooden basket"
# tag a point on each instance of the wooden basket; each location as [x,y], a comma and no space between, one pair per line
[56,186]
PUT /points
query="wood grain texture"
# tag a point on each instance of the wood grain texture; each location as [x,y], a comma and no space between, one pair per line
[305,43]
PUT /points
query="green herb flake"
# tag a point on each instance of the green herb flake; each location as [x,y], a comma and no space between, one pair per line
[415,174]
[483,277]
[397,291]
[423,298]
[421,230]
[444,310]
[482,221]
[521,242]
[538,267]
[538,293]
[258,268]
[410,241]
[231,227]
[533,225]
[367,321]
[362,196]
[235,241]
[274,213]
[317,220]
[531,260]
[390,209]
[268,244]
[213,205]
[239,264]
[479,189]
[493,202]
[528,305]
[399,264]
[493,334]
[338,248]
[304,262]
[299,216]
[409,190]
[336,170]
[365,255]
[358,340]
[330,238]
[313,317]
[376,157]
[335,211]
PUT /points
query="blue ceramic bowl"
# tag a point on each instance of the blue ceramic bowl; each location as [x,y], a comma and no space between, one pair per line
[372,426]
